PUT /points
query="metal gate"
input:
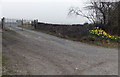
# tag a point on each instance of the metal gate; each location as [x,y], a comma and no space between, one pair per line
[16,24]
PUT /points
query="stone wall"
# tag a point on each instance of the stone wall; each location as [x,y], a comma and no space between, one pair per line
[75,31]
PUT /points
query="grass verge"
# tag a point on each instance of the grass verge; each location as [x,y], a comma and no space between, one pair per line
[6,33]
[5,68]
[11,31]
[88,39]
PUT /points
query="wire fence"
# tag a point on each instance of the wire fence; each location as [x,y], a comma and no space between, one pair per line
[11,22]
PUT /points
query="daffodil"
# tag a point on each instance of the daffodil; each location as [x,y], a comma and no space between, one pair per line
[101,33]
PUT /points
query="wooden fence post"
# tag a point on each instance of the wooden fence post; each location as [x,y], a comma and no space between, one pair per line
[22,24]
[35,23]
[3,22]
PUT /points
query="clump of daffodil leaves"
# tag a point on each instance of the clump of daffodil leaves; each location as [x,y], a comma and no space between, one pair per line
[96,31]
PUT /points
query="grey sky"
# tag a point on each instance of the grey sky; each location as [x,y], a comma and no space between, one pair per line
[54,11]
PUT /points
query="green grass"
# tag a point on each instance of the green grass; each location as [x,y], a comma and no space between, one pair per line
[93,40]
[6,34]
[11,31]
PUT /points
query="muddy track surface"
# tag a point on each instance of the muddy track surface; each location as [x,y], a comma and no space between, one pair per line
[35,53]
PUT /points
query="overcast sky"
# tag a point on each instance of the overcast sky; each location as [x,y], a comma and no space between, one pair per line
[53,11]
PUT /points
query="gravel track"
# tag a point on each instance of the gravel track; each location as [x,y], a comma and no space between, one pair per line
[37,53]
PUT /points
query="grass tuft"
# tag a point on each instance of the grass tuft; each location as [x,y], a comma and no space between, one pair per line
[11,31]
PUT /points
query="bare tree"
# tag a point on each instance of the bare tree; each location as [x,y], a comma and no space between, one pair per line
[77,11]
[99,12]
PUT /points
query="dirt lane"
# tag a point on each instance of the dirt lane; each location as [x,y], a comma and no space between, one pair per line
[36,53]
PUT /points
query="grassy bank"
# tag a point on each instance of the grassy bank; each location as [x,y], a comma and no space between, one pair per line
[8,30]
[6,69]
[88,39]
